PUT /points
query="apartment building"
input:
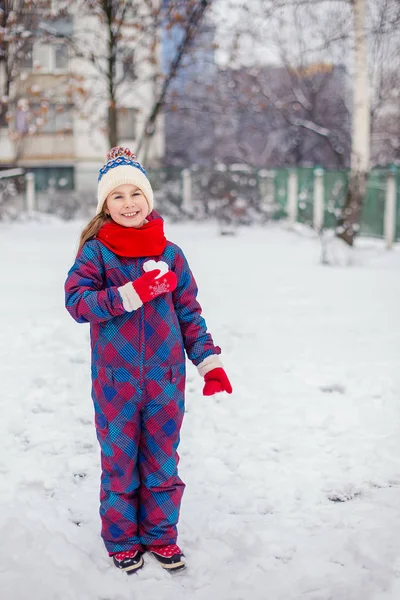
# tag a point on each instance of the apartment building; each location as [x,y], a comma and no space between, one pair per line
[56,121]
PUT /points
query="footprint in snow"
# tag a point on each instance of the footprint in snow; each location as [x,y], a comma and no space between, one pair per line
[343,496]
[334,388]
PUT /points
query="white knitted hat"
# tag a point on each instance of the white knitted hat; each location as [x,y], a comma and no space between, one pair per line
[122,167]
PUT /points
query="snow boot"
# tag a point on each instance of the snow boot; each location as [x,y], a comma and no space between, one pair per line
[170,557]
[129,561]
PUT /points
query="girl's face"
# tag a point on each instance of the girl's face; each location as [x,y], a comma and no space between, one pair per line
[127,205]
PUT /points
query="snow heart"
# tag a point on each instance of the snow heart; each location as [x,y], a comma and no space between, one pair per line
[151,265]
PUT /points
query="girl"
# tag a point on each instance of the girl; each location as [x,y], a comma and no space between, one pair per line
[136,290]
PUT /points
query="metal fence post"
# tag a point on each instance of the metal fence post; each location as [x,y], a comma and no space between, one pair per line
[318,208]
[292,199]
[390,209]
[187,189]
[267,188]
[30,194]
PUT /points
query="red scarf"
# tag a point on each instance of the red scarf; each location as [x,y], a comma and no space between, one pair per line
[148,240]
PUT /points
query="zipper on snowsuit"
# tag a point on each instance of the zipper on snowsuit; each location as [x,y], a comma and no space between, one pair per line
[141,336]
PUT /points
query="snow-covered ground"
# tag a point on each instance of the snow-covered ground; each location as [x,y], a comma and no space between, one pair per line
[293,482]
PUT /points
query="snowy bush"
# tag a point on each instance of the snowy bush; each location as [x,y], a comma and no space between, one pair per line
[11,197]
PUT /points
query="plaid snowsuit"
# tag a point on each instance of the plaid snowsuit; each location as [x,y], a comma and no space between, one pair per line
[138,384]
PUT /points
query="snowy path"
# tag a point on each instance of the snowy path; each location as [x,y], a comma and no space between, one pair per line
[313,354]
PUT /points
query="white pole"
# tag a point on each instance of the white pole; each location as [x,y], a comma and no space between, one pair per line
[390,210]
[30,193]
[292,201]
[187,189]
[361,91]
[318,208]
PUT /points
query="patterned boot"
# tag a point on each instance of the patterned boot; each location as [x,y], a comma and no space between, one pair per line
[170,557]
[129,561]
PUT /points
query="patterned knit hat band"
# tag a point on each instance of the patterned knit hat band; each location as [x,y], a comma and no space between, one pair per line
[121,168]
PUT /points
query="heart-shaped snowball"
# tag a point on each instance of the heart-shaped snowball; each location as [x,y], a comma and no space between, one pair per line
[151,265]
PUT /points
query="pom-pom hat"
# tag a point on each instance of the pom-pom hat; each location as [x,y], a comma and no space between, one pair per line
[122,167]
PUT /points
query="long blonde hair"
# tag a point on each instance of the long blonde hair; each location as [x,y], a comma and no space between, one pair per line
[93,228]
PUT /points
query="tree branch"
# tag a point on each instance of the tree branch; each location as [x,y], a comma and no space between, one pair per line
[192,25]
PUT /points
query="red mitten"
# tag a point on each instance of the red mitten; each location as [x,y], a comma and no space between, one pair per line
[148,287]
[216,381]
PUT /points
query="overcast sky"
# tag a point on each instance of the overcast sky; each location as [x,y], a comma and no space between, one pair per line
[267,38]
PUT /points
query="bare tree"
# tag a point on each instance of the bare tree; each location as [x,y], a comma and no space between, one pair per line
[114,68]
[189,24]
[385,77]
[324,27]
[265,117]
[372,21]
[120,42]
[8,35]
[25,99]
[291,113]
[18,29]
[361,129]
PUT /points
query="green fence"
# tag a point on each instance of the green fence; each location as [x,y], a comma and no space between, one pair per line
[398,205]
[210,189]
[60,178]
[335,188]
[305,195]
[373,211]
[281,187]
[335,184]
[250,185]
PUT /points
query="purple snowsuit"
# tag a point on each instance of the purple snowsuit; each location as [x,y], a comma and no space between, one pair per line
[138,384]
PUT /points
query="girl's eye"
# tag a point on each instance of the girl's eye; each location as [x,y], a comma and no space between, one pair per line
[117,197]
[136,194]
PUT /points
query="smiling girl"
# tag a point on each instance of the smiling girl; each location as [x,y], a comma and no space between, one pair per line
[138,293]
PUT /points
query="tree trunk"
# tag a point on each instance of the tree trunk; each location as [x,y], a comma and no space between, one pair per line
[4,67]
[111,76]
[360,152]
[112,124]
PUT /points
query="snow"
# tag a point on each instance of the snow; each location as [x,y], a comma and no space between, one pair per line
[152,265]
[293,482]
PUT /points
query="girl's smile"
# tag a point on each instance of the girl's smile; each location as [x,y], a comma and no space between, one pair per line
[127,205]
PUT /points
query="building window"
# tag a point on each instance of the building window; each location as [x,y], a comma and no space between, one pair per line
[27,59]
[61,57]
[41,57]
[126,65]
[46,58]
[3,115]
[126,128]
[44,118]
[57,120]
[61,26]
[21,120]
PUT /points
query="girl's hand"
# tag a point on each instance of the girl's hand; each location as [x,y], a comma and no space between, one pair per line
[216,381]
[148,287]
